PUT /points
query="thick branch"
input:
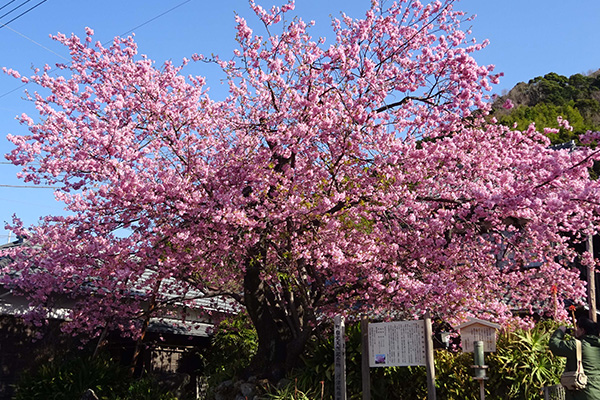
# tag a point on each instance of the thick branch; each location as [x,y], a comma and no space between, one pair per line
[580,163]
[404,101]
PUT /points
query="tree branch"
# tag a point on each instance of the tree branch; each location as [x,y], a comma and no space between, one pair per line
[404,101]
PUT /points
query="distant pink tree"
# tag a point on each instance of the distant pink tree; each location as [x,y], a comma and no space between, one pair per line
[345,177]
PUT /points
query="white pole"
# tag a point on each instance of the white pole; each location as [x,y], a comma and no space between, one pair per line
[339,357]
[429,359]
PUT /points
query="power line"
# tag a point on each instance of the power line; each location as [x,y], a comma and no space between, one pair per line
[2,25]
[17,7]
[158,16]
[9,92]
[23,13]
[14,90]
[123,34]
[7,4]
[33,41]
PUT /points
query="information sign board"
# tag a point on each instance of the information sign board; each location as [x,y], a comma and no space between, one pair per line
[397,344]
[476,330]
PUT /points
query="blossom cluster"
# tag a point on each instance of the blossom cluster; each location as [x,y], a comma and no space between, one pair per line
[353,176]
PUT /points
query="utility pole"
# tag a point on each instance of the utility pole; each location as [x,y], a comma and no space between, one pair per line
[591,278]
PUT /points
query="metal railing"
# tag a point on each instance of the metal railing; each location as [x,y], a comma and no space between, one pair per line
[556,392]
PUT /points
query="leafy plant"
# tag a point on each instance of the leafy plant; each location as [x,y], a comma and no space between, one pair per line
[523,364]
[232,347]
[319,364]
[70,378]
[145,388]
[520,368]
[454,376]
[292,392]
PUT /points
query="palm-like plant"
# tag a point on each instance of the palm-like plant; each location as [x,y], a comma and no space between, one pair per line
[523,363]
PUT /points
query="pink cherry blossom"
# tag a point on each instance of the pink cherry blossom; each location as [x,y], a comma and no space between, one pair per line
[508,104]
[350,176]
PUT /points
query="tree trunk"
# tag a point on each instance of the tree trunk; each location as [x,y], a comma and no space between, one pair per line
[282,332]
[137,366]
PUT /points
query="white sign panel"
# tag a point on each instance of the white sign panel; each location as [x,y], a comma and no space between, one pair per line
[478,333]
[397,344]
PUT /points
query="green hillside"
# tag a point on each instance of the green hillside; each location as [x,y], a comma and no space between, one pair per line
[543,99]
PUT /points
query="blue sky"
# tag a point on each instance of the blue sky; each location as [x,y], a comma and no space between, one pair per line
[528,38]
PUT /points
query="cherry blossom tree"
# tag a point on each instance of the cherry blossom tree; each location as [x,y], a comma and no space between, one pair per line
[346,177]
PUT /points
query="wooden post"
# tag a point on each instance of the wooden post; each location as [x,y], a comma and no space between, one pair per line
[591,274]
[339,358]
[429,359]
[481,389]
[365,368]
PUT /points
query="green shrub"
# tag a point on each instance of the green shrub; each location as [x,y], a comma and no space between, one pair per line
[292,392]
[145,388]
[523,363]
[318,365]
[453,375]
[70,378]
[520,368]
[232,347]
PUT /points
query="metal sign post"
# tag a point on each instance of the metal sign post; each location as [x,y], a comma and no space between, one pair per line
[478,336]
[479,367]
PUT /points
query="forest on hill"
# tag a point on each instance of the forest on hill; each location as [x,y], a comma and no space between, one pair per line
[544,98]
